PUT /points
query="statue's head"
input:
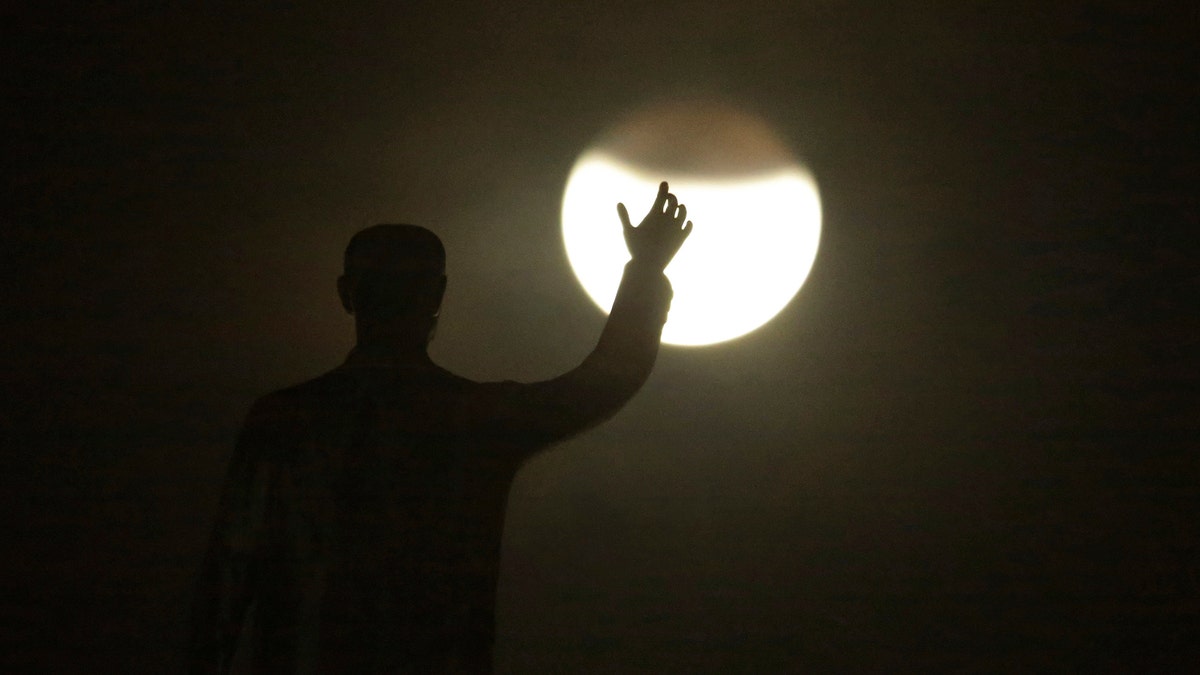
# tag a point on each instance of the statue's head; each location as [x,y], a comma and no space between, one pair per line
[394,274]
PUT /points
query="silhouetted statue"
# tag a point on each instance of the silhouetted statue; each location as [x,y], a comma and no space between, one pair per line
[363,510]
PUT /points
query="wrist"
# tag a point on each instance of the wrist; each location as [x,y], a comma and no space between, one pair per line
[643,266]
[647,276]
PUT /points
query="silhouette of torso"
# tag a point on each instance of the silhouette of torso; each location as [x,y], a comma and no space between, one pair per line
[363,512]
[386,516]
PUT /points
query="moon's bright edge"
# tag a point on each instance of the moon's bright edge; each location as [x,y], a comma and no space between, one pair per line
[753,244]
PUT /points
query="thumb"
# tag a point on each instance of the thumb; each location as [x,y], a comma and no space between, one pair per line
[624,215]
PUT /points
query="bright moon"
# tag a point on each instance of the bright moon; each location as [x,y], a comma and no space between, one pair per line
[756,211]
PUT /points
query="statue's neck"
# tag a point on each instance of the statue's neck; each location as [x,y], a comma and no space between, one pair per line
[396,344]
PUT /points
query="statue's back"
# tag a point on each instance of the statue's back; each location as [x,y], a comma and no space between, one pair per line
[383,526]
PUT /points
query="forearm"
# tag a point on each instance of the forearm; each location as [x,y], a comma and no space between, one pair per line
[228,574]
[628,345]
[217,612]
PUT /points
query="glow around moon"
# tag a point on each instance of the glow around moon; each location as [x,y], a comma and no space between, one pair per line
[753,244]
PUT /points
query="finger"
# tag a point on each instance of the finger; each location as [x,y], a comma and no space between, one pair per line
[662,196]
[624,216]
[672,204]
[687,229]
[681,214]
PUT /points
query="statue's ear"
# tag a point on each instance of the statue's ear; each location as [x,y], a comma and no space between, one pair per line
[343,289]
[432,292]
[441,293]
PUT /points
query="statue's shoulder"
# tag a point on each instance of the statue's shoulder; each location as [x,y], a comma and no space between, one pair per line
[303,400]
[333,384]
[342,389]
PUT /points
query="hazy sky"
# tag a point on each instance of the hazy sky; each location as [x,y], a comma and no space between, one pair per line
[969,442]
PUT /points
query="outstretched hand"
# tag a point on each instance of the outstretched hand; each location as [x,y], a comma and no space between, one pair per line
[658,238]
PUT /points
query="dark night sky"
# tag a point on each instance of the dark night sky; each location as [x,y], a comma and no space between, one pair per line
[968,443]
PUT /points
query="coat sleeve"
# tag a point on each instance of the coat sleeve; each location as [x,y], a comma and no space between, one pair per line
[226,586]
[538,413]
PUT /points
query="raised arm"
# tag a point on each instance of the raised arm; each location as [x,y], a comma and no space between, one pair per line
[625,353]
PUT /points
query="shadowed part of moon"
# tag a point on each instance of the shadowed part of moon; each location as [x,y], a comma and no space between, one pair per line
[701,140]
